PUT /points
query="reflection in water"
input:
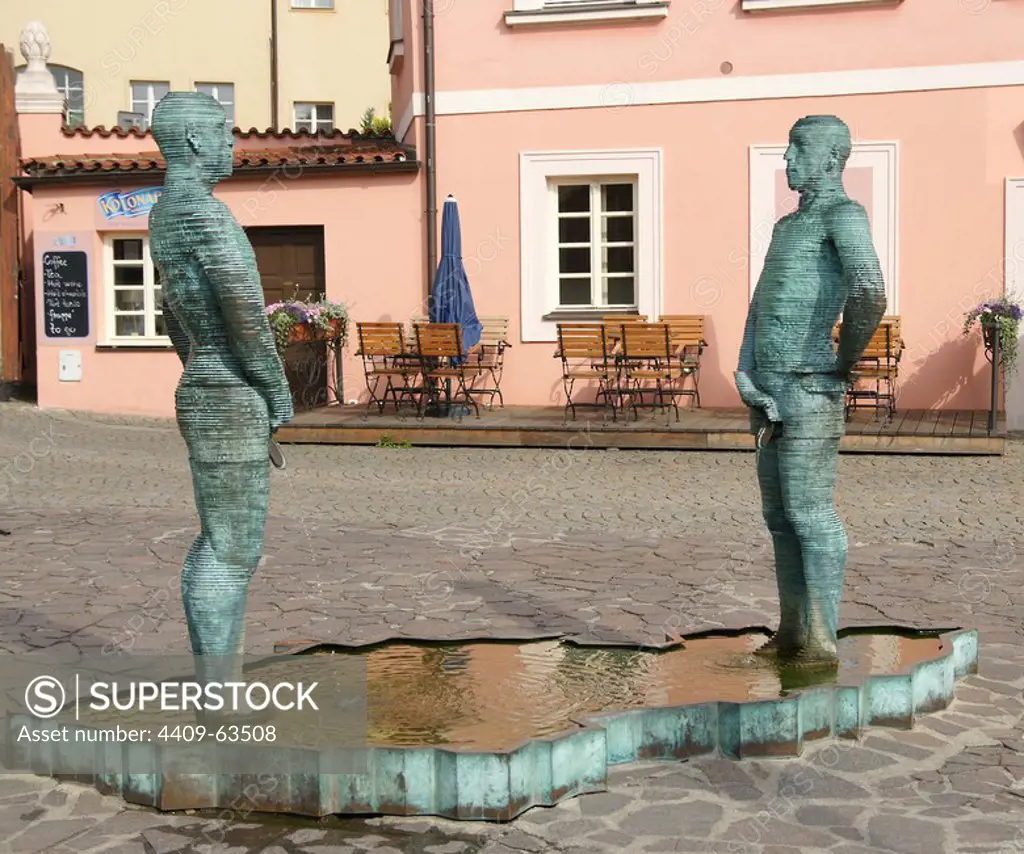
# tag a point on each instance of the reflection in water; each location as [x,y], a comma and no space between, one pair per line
[494,695]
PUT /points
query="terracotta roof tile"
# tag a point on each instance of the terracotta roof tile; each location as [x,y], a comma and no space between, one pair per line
[335,155]
[251,133]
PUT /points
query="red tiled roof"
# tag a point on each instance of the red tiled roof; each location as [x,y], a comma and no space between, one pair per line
[251,133]
[363,151]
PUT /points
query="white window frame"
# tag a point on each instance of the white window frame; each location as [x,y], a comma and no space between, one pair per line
[881,157]
[64,76]
[535,12]
[312,4]
[596,243]
[770,5]
[316,121]
[215,94]
[150,309]
[539,292]
[151,99]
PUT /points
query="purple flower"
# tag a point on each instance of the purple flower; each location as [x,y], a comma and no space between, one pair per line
[1001,307]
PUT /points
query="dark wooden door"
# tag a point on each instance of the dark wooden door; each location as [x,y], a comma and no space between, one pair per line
[291,262]
[291,265]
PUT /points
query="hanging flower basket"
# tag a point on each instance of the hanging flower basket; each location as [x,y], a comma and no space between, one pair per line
[1001,314]
[294,321]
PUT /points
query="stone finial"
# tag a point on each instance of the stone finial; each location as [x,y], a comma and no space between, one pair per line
[35,45]
[36,90]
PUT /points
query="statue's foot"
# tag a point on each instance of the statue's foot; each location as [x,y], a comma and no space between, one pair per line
[782,643]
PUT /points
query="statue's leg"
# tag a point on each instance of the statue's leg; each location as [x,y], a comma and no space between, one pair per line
[232,499]
[789,569]
[807,469]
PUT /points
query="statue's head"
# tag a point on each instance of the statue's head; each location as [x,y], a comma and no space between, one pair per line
[819,147]
[191,130]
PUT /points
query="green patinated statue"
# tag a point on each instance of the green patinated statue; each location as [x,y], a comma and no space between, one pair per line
[821,264]
[233,392]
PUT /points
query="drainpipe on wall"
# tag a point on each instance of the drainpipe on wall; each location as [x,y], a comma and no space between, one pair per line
[430,142]
[273,65]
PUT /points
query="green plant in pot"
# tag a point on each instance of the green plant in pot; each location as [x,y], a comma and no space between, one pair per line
[371,123]
[1002,314]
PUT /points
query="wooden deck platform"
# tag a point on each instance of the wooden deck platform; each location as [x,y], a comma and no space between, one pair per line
[910,432]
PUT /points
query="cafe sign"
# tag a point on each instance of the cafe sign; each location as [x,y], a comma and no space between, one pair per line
[135,203]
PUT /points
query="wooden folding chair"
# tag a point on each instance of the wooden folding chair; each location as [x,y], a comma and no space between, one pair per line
[489,357]
[877,371]
[385,357]
[614,323]
[686,334]
[442,360]
[649,367]
[586,355]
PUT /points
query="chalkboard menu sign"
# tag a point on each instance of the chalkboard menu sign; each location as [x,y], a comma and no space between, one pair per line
[65,295]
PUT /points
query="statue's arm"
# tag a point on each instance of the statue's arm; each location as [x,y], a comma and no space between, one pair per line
[236,283]
[750,394]
[178,336]
[744,384]
[747,346]
[865,300]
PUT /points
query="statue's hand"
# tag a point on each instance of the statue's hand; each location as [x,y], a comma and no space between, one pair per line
[279,406]
[832,383]
[753,397]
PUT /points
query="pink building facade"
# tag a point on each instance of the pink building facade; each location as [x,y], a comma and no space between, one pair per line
[607,157]
[319,211]
[689,104]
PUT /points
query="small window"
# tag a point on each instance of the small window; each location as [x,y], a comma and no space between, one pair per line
[591,236]
[224,93]
[145,96]
[312,4]
[315,118]
[134,291]
[596,243]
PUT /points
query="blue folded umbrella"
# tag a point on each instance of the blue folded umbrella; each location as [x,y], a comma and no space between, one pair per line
[451,300]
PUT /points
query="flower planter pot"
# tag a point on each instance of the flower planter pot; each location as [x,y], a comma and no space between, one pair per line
[336,330]
[309,332]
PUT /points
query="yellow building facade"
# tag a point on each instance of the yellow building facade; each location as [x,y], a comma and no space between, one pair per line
[317,64]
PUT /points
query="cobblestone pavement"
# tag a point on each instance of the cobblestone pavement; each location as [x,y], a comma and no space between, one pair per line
[610,544]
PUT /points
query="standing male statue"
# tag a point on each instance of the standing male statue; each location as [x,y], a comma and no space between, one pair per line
[820,264]
[233,393]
